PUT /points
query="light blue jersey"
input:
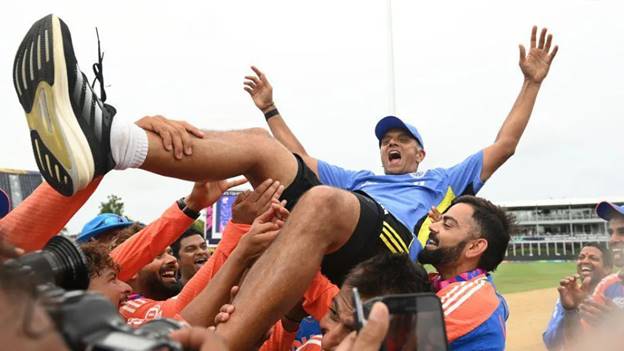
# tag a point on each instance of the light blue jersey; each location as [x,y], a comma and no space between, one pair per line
[410,196]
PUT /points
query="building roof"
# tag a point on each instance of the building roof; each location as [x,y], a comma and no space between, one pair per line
[561,202]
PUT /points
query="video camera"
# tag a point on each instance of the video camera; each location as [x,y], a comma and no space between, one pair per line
[87,321]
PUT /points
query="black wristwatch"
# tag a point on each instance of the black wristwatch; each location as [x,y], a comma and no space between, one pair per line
[191,213]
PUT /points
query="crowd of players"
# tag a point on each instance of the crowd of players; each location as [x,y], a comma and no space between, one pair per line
[309,232]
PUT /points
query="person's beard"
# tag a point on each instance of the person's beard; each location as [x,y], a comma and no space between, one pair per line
[155,289]
[442,256]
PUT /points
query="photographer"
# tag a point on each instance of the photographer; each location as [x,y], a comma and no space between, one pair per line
[26,324]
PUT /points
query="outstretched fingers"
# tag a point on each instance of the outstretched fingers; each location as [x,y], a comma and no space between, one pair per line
[258,73]
[548,42]
[261,189]
[522,53]
[551,57]
[542,38]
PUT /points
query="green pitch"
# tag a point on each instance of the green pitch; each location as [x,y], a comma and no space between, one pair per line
[513,277]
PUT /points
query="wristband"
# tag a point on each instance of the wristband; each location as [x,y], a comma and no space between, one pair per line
[292,319]
[191,213]
[271,113]
[571,312]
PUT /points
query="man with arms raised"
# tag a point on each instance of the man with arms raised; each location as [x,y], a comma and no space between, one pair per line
[402,150]
[86,141]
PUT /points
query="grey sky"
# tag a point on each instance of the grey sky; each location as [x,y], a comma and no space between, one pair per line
[456,79]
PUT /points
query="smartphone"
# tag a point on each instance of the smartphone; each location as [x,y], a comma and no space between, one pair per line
[416,321]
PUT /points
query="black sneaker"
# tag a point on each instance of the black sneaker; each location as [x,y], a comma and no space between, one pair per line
[69,124]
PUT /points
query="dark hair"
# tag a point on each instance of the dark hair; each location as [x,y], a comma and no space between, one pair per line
[98,258]
[606,254]
[388,273]
[175,247]
[494,225]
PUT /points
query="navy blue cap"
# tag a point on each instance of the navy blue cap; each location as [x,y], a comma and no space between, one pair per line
[390,122]
[101,223]
[5,203]
[607,210]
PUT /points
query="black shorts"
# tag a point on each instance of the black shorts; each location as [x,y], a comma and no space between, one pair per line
[377,230]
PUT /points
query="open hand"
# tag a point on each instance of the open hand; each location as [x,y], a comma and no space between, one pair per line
[176,135]
[251,204]
[536,63]
[264,230]
[259,89]
[206,193]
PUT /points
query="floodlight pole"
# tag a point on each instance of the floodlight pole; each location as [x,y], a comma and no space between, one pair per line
[391,75]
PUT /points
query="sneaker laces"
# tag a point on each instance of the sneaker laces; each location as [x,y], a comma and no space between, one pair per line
[98,69]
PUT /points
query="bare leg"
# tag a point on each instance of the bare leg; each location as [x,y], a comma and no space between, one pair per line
[321,222]
[219,155]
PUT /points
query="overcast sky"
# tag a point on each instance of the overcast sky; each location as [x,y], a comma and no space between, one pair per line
[456,77]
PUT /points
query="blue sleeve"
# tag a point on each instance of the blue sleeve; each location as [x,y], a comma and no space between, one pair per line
[465,177]
[553,336]
[338,176]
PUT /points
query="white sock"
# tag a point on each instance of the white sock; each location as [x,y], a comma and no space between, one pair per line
[128,144]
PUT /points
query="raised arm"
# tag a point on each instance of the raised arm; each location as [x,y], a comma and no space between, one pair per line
[141,248]
[201,311]
[534,66]
[261,92]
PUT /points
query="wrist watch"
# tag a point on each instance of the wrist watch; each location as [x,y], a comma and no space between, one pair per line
[191,213]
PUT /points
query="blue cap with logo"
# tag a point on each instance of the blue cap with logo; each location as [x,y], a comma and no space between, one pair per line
[101,223]
[607,210]
[390,122]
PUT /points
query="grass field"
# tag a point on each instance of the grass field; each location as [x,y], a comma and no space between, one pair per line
[511,277]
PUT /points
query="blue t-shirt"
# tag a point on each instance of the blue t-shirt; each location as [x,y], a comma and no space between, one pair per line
[409,197]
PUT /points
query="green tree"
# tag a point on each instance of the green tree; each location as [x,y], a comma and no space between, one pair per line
[113,204]
[198,225]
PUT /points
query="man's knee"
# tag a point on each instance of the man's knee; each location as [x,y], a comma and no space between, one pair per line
[336,210]
[330,204]
[258,132]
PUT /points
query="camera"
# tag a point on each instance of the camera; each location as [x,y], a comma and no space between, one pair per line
[86,321]
[60,262]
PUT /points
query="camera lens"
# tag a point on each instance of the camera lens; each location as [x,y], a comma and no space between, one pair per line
[60,262]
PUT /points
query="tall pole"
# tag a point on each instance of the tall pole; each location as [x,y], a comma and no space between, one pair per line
[391,76]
